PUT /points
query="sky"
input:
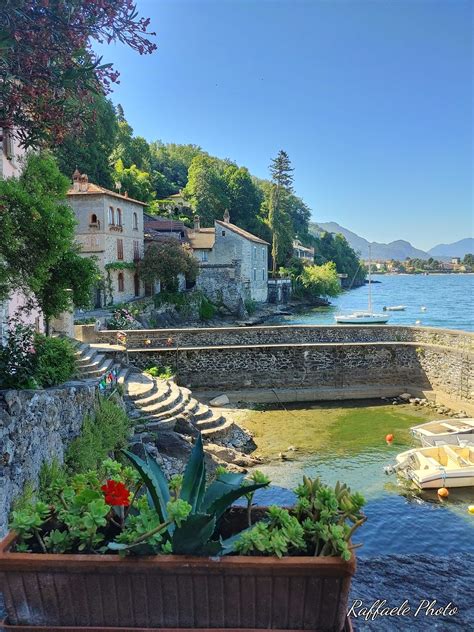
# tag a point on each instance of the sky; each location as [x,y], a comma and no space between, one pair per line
[372,100]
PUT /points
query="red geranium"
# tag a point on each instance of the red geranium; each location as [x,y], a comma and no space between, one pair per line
[116,494]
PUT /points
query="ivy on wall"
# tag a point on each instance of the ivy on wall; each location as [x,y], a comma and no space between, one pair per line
[114,265]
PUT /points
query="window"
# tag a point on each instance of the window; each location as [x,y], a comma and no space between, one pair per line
[263,254]
[136,250]
[119,217]
[111,216]
[120,284]
[255,274]
[223,233]
[135,221]
[93,218]
[255,252]
[263,274]
[203,256]
[120,249]
[7,143]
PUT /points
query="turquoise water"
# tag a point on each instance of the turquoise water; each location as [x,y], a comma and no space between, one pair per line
[448,298]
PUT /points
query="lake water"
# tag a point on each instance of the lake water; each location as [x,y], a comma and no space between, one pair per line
[448,298]
[347,443]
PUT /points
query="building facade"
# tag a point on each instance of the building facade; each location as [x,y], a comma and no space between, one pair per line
[229,245]
[110,229]
[302,252]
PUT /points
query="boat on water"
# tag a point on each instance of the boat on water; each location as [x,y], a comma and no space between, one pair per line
[444,431]
[395,308]
[437,466]
[364,317]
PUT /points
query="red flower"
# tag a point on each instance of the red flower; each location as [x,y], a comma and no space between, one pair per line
[116,494]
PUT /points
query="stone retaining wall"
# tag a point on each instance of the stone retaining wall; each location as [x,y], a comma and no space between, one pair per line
[291,334]
[37,426]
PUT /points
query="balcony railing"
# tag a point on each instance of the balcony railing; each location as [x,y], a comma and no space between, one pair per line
[118,228]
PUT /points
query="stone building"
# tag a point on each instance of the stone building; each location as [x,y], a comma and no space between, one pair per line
[228,253]
[110,229]
[302,252]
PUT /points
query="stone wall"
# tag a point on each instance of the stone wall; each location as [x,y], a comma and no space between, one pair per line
[293,334]
[37,426]
[223,284]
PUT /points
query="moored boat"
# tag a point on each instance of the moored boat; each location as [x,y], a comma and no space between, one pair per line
[444,431]
[395,308]
[438,466]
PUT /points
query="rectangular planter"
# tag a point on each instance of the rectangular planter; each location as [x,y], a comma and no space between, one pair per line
[104,592]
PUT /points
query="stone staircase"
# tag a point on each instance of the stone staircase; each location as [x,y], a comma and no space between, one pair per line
[153,403]
[158,404]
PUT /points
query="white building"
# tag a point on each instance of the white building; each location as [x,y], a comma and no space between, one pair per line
[226,245]
[110,229]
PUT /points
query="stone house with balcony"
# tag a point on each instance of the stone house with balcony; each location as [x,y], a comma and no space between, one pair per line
[302,252]
[233,262]
[110,229]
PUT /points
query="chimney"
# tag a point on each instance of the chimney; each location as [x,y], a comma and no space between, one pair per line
[197,223]
[83,182]
[126,194]
[76,176]
[226,217]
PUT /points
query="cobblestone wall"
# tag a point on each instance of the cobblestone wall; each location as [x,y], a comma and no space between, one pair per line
[36,426]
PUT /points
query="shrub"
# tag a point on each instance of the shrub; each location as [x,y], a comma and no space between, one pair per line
[250,305]
[55,361]
[164,372]
[18,357]
[101,434]
[206,309]
[121,319]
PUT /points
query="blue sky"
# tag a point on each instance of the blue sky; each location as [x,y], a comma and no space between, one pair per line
[371,99]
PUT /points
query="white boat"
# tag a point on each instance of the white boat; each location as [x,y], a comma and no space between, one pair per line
[444,431]
[395,308]
[363,318]
[438,466]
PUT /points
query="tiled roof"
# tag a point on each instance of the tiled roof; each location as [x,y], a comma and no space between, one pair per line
[203,239]
[162,223]
[242,232]
[95,189]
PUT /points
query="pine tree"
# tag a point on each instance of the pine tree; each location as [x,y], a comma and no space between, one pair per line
[282,185]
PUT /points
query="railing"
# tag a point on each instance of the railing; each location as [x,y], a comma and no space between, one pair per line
[118,228]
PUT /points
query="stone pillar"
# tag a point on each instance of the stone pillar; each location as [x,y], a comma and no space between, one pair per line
[64,323]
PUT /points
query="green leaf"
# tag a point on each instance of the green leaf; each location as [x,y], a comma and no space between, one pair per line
[147,474]
[194,479]
[221,486]
[193,535]
[219,506]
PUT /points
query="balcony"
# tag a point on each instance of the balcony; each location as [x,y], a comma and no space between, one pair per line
[117,228]
[94,225]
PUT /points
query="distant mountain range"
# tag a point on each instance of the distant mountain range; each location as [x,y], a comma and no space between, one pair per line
[399,249]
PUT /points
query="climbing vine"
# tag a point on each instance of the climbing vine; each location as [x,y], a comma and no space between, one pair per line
[114,265]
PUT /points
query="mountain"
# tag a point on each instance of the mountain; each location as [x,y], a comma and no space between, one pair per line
[457,249]
[398,250]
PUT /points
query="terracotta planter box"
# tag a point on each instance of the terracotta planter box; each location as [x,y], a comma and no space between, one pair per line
[104,592]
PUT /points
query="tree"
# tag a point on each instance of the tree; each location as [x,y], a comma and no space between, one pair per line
[135,182]
[164,261]
[206,188]
[49,71]
[282,185]
[311,281]
[37,246]
[468,260]
[245,198]
[170,164]
[89,149]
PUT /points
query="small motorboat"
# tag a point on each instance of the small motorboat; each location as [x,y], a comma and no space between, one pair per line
[444,431]
[395,308]
[435,467]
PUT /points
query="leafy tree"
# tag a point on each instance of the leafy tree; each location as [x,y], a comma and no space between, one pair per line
[137,183]
[170,164]
[37,246]
[206,188]
[468,260]
[245,198]
[164,261]
[89,149]
[335,247]
[282,186]
[49,71]
[311,281]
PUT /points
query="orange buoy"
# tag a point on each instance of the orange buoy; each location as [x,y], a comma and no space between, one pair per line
[389,438]
[443,492]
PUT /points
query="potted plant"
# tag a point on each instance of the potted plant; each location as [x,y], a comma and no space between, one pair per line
[135,551]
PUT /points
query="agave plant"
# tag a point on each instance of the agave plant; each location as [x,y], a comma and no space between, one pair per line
[187,516]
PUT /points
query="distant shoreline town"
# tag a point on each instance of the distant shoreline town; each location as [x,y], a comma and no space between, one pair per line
[424,266]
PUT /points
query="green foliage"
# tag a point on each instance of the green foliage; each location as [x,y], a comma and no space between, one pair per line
[468,260]
[29,360]
[311,281]
[101,435]
[335,247]
[55,361]
[134,181]
[250,305]
[206,309]
[206,188]
[187,511]
[278,203]
[321,523]
[163,372]
[164,261]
